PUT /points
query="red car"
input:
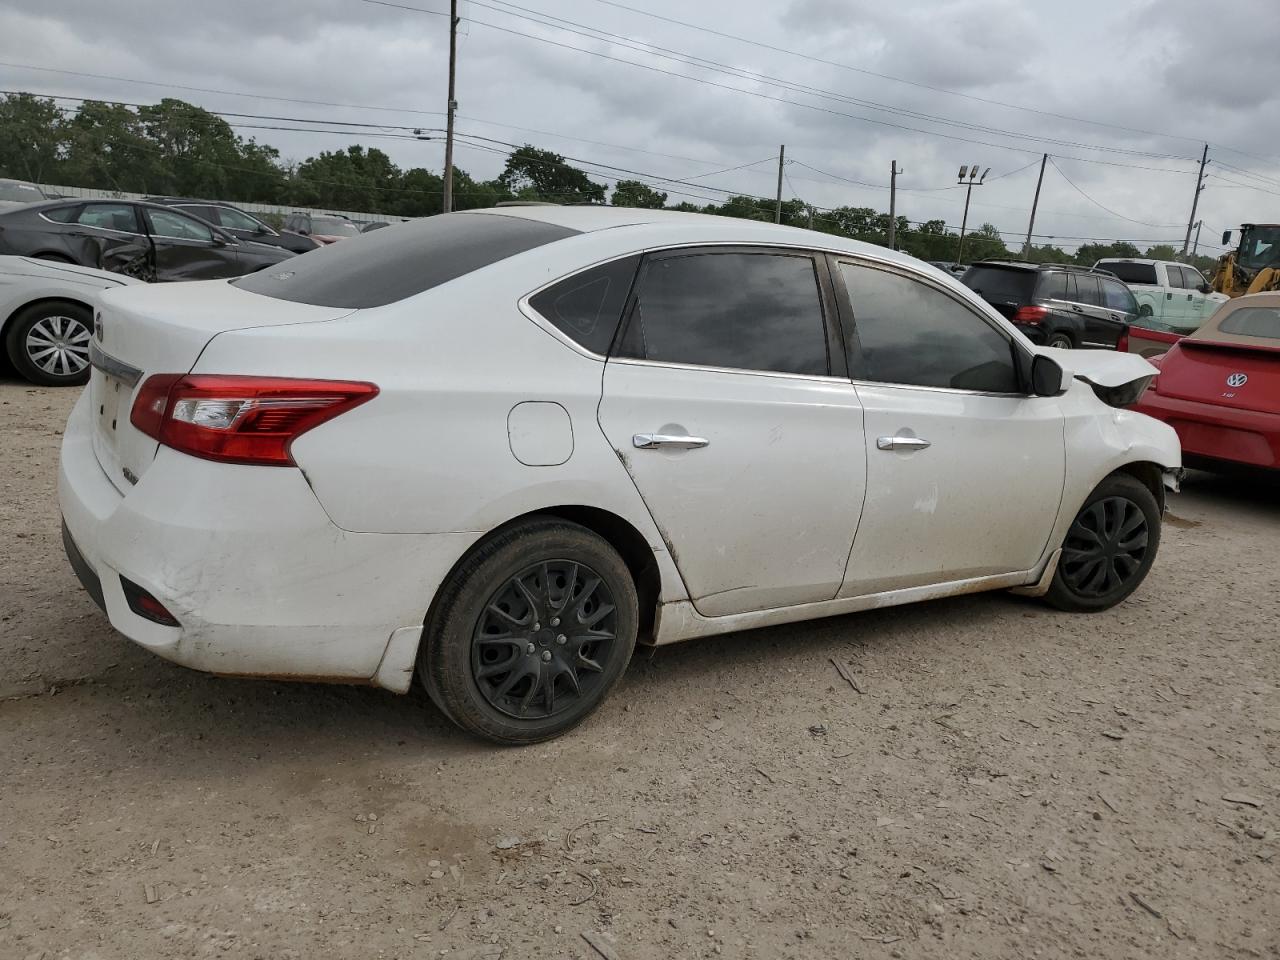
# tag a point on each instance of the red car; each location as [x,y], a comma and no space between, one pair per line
[1219,388]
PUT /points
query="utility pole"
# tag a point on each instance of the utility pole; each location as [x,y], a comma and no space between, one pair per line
[973,181]
[1204,158]
[447,200]
[811,217]
[777,210]
[893,202]
[1031,225]
[1195,251]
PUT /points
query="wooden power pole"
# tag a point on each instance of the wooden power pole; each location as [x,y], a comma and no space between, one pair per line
[893,203]
[447,200]
[1031,224]
[777,209]
[1204,158]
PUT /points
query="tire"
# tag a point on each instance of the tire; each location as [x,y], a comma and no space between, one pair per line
[1060,340]
[1109,547]
[485,665]
[48,343]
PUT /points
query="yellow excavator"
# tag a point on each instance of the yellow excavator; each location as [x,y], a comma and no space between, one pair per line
[1254,266]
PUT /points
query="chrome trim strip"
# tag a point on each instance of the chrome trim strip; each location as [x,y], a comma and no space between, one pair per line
[113,367]
[636,362]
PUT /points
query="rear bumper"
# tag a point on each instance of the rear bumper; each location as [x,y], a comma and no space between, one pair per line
[261,581]
[1218,433]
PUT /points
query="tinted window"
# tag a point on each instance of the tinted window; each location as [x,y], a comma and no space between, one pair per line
[1117,296]
[61,214]
[587,306]
[749,311]
[203,212]
[911,333]
[389,265]
[1088,291]
[1053,286]
[334,227]
[170,223]
[1253,322]
[1131,272]
[109,216]
[1001,284]
[235,219]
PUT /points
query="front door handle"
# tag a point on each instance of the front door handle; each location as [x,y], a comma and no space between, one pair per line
[1077,309]
[902,443]
[651,441]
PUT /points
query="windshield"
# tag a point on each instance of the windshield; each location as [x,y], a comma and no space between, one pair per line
[1259,247]
[333,227]
[21,192]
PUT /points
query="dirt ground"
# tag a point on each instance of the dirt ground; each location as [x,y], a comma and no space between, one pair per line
[1009,781]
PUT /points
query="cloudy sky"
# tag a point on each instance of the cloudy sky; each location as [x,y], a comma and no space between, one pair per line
[1122,95]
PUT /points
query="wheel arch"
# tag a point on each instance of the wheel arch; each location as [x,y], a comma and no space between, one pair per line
[1149,474]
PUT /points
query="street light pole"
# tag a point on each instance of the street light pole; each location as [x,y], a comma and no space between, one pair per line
[973,181]
[447,200]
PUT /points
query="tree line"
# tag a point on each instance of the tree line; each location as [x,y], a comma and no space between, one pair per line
[175,148]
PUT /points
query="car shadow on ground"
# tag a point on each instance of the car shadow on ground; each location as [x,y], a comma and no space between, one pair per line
[1234,487]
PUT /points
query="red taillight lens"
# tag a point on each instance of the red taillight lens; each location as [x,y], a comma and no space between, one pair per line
[1122,345]
[238,419]
[1030,314]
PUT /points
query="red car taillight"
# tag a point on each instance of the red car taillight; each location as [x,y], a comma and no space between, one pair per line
[1030,314]
[238,419]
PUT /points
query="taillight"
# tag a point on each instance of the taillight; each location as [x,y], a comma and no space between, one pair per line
[1030,314]
[239,419]
[1122,345]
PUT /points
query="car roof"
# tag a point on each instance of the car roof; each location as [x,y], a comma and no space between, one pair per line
[693,226]
[1209,332]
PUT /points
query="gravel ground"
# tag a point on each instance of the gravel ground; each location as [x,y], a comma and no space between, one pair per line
[1009,781]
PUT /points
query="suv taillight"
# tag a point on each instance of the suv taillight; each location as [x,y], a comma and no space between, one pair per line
[1030,314]
[238,419]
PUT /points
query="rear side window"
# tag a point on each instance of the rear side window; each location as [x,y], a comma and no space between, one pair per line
[389,265]
[1118,296]
[586,307]
[109,216]
[911,333]
[1131,272]
[746,311]
[60,214]
[1001,284]
[1253,322]
[1088,291]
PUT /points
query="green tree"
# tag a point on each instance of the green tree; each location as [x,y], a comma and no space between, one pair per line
[107,147]
[1162,251]
[535,174]
[31,135]
[203,157]
[633,193]
[1089,253]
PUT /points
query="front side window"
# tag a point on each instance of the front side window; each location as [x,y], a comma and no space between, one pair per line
[586,307]
[911,333]
[168,223]
[108,216]
[745,311]
[235,219]
[1118,297]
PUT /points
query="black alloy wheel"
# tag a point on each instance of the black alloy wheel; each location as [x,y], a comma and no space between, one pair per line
[1109,547]
[543,638]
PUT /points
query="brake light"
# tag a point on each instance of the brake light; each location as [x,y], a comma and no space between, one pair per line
[1122,345]
[240,419]
[1030,314]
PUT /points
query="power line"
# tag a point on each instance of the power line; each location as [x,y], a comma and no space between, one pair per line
[1121,216]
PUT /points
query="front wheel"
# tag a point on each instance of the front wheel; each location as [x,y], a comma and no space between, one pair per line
[1109,547]
[530,632]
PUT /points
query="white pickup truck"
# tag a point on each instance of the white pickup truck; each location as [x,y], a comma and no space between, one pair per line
[1172,297]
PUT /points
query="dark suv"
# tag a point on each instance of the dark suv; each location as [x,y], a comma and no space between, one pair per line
[1054,304]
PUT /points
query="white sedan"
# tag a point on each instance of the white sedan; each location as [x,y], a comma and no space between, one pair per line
[494,449]
[46,320]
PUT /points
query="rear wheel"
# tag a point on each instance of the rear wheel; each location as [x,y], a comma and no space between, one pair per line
[530,632]
[48,343]
[1109,547]
[1060,340]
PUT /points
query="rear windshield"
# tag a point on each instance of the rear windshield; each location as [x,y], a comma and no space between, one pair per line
[1000,284]
[1253,322]
[334,227]
[1130,272]
[389,265]
[22,192]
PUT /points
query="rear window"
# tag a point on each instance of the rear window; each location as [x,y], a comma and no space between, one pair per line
[1253,322]
[586,307]
[1001,284]
[1130,272]
[389,265]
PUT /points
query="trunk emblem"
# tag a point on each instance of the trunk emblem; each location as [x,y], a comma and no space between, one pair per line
[1237,380]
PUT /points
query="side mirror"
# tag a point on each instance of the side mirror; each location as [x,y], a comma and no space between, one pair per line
[219,240]
[1205,288]
[262,230]
[1226,238]
[1046,377]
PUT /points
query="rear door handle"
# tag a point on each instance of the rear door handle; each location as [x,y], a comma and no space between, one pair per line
[902,443]
[1077,309]
[651,441]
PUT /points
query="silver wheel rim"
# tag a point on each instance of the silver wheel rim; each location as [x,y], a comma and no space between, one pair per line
[59,345]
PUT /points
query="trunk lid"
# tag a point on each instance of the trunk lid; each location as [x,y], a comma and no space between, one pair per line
[1226,375]
[142,330]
